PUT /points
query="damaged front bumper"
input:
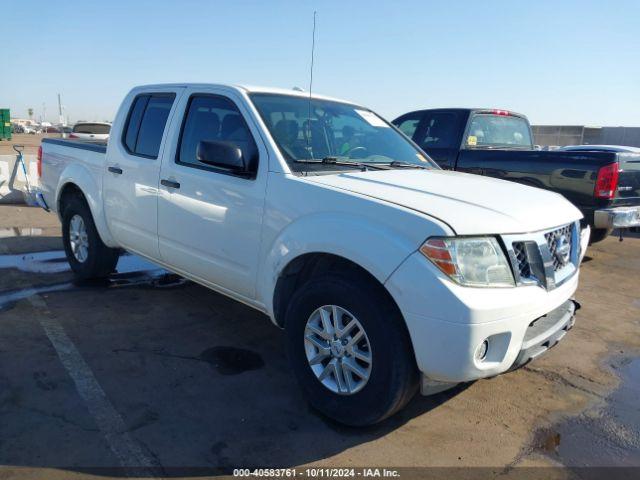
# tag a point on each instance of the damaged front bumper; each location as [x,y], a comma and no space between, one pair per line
[545,332]
[540,336]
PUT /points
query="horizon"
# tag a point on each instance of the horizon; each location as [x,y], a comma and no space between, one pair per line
[568,64]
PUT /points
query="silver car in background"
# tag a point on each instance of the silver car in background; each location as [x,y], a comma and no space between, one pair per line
[91,131]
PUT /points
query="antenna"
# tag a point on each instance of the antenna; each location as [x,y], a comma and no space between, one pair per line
[313,49]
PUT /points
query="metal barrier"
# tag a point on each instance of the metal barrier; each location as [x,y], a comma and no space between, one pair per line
[13,183]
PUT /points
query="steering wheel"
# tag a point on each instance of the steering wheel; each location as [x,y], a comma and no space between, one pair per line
[358,152]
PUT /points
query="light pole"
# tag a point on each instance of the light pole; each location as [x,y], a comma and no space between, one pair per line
[60,116]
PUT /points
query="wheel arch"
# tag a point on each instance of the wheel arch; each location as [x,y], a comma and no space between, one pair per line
[313,264]
[77,180]
[67,191]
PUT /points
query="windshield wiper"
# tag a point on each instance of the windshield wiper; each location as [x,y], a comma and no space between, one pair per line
[398,163]
[348,163]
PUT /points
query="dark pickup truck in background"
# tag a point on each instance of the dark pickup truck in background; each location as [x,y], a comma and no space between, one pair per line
[604,185]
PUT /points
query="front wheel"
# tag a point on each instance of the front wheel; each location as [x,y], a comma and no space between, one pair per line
[349,349]
[88,256]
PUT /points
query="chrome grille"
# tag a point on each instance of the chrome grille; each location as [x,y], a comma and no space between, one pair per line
[559,242]
[521,258]
[545,258]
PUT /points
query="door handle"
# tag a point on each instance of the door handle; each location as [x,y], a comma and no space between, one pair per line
[169,183]
[115,170]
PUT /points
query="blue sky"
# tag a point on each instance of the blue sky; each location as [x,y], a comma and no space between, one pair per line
[575,62]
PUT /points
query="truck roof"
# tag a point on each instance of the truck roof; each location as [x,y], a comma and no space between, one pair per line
[245,89]
[468,110]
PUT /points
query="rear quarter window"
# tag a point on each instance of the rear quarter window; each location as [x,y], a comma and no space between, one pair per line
[438,130]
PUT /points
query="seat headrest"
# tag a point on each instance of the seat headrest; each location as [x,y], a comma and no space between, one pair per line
[286,130]
[233,127]
[207,123]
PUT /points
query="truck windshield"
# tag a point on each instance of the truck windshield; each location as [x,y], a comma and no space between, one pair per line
[490,130]
[307,131]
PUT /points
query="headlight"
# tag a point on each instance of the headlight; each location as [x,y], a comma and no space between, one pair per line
[472,261]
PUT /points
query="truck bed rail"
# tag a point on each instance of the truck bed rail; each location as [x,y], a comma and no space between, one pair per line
[94,146]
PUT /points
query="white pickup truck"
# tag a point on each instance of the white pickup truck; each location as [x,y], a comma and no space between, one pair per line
[387,273]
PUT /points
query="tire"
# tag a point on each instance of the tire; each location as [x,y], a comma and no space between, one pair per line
[598,235]
[393,374]
[99,260]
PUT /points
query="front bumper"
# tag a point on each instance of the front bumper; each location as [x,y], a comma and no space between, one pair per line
[448,323]
[542,334]
[617,217]
[545,332]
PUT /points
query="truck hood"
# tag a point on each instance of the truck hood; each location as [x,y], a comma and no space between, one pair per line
[469,204]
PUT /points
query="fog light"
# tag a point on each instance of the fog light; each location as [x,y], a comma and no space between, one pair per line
[481,351]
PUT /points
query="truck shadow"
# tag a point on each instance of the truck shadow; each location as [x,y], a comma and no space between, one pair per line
[305,436]
[291,437]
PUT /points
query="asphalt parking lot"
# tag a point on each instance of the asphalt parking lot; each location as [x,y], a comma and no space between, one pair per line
[155,373]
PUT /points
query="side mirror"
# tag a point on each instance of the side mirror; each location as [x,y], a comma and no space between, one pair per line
[225,155]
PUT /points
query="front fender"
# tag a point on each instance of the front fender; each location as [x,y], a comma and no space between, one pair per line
[374,246]
[80,176]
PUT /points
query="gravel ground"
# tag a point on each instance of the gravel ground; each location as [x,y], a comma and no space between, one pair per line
[30,142]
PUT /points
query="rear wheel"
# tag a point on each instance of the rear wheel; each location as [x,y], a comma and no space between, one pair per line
[88,256]
[349,349]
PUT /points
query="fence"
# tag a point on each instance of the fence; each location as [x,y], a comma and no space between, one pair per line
[563,135]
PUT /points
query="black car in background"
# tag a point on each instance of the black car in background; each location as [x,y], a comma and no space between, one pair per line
[603,184]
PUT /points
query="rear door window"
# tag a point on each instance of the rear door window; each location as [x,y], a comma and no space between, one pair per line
[437,130]
[147,121]
[152,126]
[133,124]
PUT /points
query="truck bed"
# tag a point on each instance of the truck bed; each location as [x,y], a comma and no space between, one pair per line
[573,174]
[58,159]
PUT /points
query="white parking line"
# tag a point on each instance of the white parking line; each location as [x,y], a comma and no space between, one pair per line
[127,451]
[110,423]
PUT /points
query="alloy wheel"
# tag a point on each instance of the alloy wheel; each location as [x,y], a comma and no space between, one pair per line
[338,349]
[78,238]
